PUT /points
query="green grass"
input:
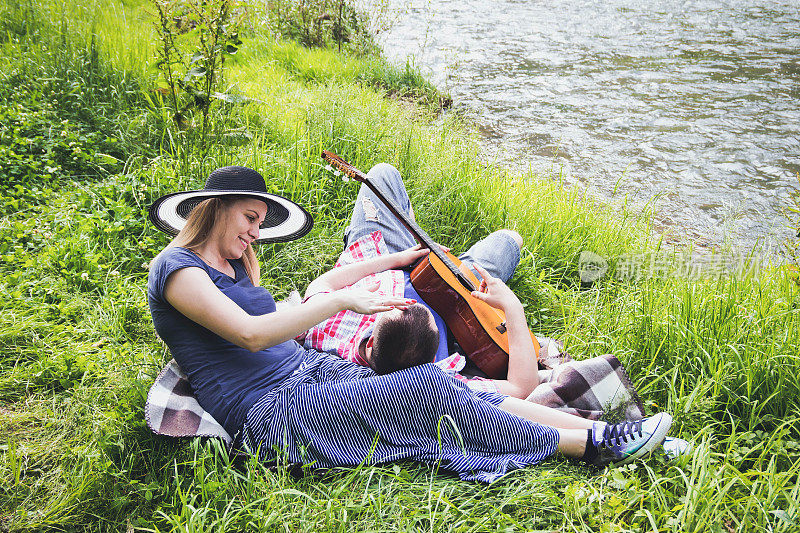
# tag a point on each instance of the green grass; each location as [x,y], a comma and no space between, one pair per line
[85,151]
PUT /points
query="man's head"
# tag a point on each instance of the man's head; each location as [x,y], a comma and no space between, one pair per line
[402,339]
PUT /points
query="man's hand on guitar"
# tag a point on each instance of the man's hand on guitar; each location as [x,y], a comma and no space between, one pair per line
[409,256]
[494,292]
[523,376]
[412,255]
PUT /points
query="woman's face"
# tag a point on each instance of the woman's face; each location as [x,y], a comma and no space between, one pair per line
[238,226]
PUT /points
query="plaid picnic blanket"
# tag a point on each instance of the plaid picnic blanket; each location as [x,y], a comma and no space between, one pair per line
[172,410]
[593,388]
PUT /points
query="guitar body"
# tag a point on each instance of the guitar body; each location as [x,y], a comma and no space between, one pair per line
[473,322]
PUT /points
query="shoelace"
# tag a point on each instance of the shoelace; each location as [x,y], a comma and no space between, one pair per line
[617,433]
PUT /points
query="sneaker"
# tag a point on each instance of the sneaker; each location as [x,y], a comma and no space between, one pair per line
[619,444]
[674,447]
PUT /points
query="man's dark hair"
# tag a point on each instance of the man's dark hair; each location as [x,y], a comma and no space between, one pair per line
[406,341]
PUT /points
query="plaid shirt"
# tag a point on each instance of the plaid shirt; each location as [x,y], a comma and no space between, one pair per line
[343,332]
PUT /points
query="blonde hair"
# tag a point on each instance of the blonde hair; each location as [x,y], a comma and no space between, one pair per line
[198,230]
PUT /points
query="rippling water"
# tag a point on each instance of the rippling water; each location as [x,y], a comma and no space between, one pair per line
[691,105]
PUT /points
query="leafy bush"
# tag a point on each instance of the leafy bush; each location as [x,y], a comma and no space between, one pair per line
[321,23]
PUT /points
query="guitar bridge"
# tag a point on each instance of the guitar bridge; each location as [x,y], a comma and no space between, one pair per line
[501,328]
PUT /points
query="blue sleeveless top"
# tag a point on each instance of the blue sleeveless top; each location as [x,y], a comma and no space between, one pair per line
[227,379]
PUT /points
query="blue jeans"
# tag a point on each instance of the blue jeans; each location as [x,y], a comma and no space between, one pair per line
[498,252]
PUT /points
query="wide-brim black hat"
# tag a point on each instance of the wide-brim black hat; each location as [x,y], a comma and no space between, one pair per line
[285,220]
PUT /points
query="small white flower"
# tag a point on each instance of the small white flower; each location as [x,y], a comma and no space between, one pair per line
[85,276]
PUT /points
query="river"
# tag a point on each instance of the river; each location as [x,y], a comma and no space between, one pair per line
[691,107]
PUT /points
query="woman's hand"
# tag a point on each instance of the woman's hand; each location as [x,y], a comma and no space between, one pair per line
[494,292]
[367,301]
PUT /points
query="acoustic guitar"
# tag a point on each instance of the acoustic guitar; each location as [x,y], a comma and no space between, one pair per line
[446,284]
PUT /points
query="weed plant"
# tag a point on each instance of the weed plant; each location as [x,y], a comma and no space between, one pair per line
[86,149]
[194,39]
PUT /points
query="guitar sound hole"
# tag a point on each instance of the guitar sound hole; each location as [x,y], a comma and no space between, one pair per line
[466,282]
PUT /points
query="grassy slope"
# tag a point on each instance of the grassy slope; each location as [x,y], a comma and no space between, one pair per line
[77,350]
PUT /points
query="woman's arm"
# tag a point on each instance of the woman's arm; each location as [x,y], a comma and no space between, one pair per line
[191,291]
[346,275]
[523,368]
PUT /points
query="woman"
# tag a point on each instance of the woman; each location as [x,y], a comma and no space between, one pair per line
[275,396]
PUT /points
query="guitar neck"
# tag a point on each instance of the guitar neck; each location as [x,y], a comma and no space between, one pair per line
[423,238]
[419,234]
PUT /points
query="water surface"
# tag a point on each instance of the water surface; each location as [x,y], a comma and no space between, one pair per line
[692,106]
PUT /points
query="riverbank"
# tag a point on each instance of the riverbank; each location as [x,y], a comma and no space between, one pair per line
[85,144]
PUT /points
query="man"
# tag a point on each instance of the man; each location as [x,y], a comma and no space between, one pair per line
[377,249]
